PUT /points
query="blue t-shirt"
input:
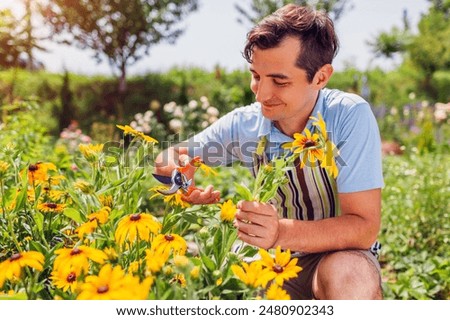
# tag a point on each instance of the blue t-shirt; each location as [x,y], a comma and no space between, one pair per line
[350,123]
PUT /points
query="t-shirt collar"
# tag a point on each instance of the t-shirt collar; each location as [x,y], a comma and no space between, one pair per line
[274,135]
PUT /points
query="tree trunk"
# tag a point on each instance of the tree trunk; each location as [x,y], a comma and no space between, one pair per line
[122,92]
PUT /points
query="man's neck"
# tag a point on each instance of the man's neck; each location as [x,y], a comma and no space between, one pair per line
[290,128]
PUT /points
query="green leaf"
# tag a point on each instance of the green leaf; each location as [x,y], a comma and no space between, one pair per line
[243,191]
[39,219]
[112,186]
[217,245]
[191,218]
[208,262]
[16,296]
[73,214]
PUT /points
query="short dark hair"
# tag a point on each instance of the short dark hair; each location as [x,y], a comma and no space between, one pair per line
[314,29]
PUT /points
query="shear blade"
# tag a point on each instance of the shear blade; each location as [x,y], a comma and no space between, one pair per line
[173,189]
[163,179]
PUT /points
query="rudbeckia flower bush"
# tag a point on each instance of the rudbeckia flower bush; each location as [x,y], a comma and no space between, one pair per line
[87,231]
[91,225]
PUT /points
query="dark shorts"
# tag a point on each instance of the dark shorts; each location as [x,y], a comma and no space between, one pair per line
[301,287]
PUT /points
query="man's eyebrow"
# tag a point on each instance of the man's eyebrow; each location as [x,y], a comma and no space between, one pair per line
[278,76]
[273,75]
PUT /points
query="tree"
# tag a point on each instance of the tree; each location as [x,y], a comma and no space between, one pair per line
[428,51]
[120,30]
[261,8]
[17,39]
[9,46]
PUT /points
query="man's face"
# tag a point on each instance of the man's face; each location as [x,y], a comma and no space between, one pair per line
[286,97]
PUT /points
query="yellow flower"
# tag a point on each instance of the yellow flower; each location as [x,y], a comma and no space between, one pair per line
[227,210]
[77,259]
[329,161]
[180,260]
[91,152]
[282,265]
[198,163]
[65,279]
[175,199]
[195,272]
[134,267]
[57,195]
[277,293]
[320,123]
[50,207]
[330,150]
[37,172]
[55,180]
[168,270]
[84,186]
[3,169]
[148,138]
[11,268]
[207,170]
[113,284]
[170,242]
[86,228]
[155,260]
[137,226]
[253,274]
[106,200]
[179,279]
[308,146]
[219,281]
[129,130]
[101,215]
[111,253]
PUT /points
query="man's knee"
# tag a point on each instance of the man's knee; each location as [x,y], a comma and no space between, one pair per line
[347,275]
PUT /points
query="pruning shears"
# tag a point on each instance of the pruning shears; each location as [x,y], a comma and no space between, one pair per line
[177,181]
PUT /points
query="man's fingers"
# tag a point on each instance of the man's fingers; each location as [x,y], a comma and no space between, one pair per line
[183,160]
[251,228]
[207,196]
[254,206]
[254,218]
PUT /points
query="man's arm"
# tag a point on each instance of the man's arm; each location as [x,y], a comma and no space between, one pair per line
[357,227]
[171,158]
[174,157]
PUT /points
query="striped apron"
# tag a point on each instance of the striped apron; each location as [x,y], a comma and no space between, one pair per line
[310,194]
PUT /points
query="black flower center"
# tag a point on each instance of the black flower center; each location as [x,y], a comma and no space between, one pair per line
[15,256]
[169,237]
[310,143]
[71,277]
[75,251]
[51,205]
[277,268]
[135,217]
[103,289]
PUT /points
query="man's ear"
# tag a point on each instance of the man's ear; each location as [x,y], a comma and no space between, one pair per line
[323,75]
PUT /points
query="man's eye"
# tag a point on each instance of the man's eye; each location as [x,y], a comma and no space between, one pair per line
[280,84]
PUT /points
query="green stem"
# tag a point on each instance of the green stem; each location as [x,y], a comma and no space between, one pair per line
[9,217]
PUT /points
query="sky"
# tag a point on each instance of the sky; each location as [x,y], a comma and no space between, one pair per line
[214,37]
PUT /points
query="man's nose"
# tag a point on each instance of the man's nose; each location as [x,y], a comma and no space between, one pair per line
[263,91]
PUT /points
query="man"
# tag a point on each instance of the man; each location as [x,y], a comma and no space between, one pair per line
[330,223]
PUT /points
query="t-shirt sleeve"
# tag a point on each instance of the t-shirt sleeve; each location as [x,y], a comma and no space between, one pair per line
[215,144]
[359,144]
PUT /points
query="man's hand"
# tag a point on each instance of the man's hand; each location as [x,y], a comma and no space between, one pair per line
[200,196]
[196,195]
[257,223]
